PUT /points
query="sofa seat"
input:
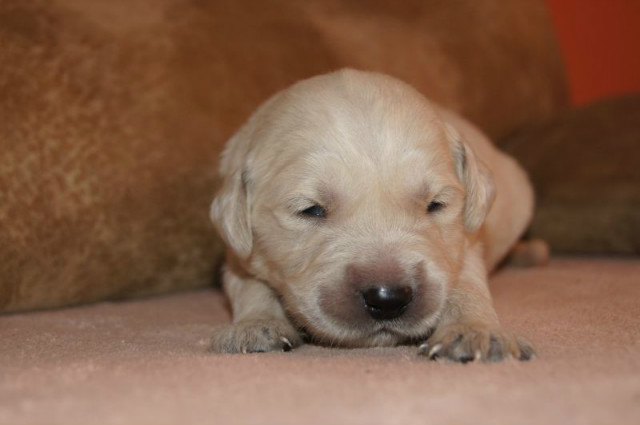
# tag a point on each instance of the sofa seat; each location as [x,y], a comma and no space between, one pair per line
[146,361]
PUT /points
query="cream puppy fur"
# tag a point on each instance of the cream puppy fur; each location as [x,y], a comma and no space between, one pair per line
[358,213]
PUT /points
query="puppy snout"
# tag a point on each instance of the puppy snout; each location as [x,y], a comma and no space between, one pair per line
[387,302]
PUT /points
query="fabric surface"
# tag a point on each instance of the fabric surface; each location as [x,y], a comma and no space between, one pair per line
[143,362]
[114,112]
[584,167]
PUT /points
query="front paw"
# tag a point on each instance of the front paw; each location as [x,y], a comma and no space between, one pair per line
[255,336]
[475,342]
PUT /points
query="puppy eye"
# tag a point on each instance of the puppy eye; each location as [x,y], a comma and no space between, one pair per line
[434,206]
[315,211]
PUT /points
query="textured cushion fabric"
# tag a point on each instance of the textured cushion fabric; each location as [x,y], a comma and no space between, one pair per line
[146,362]
[114,112]
[585,166]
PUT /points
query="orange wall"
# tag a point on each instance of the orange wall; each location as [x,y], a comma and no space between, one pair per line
[600,40]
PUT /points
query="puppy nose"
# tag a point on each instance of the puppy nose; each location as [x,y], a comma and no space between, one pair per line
[387,302]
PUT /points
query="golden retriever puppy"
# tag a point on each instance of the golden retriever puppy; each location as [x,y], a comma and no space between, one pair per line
[357,213]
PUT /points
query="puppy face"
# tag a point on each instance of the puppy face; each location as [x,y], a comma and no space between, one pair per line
[350,197]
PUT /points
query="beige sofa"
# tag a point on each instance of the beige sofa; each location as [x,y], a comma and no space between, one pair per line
[112,115]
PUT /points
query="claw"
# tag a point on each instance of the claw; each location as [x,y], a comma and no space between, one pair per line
[423,349]
[526,355]
[434,351]
[287,344]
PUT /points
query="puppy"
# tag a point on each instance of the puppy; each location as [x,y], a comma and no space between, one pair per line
[357,213]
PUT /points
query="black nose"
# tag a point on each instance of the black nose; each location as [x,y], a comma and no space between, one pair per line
[387,302]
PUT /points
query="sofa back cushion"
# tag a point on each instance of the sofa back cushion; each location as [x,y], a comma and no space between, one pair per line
[112,115]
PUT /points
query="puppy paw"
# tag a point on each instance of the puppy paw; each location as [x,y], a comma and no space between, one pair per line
[475,342]
[530,253]
[255,336]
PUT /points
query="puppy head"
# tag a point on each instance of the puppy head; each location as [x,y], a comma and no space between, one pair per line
[351,198]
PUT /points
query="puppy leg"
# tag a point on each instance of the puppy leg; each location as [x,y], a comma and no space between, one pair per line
[469,329]
[259,322]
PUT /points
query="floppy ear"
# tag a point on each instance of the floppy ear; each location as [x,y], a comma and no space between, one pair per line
[477,180]
[231,204]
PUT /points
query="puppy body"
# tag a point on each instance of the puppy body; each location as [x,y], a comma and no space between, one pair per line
[358,212]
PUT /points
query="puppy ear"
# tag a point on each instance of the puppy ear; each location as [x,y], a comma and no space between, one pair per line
[231,205]
[477,179]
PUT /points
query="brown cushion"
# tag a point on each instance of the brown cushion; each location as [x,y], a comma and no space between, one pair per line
[113,114]
[585,166]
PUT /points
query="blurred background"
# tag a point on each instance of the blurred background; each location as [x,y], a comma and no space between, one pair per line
[600,43]
[113,114]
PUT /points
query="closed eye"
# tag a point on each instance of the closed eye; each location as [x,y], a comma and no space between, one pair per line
[435,206]
[314,211]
